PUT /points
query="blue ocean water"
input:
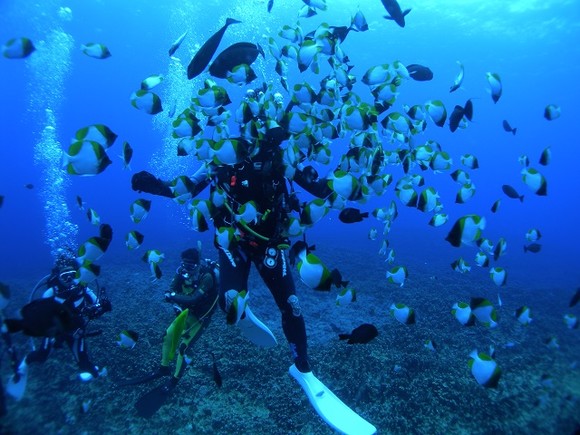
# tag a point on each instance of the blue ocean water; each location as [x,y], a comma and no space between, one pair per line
[47,97]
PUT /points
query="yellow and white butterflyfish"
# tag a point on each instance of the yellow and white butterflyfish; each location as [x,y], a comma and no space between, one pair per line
[500,248]
[484,369]
[486,246]
[313,273]
[186,124]
[17,48]
[416,112]
[462,312]
[385,96]
[241,74]
[378,75]
[127,339]
[292,34]
[436,111]
[345,185]
[346,296]
[229,151]
[294,227]
[524,160]
[187,147]
[303,93]
[321,153]
[211,96]
[546,157]
[134,239]
[204,149]
[274,48]
[139,210]
[460,176]
[85,158]
[373,234]
[571,321]
[93,217]
[99,133]
[382,214]
[495,85]
[384,247]
[87,273]
[387,227]
[127,155]
[307,54]
[296,122]
[147,101]
[407,195]
[533,235]
[465,193]
[438,219]
[481,259]
[313,211]
[317,4]
[96,51]
[247,213]
[390,256]
[93,249]
[523,315]
[460,266]
[200,212]
[153,256]
[359,21]
[552,112]
[398,123]
[181,188]
[440,161]
[397,275]
[535,181]
[484,312]
[225,237]
[466,230]
[423,155]
[430,345]
[218,197]
[402,313]
[379,183]
[470,161]
[400,70]
[428,200]
[151,81]
[498,276]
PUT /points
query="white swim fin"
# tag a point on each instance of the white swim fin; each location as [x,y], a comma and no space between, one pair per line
[256,331]
[16,385]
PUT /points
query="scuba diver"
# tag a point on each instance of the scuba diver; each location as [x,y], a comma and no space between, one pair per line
[251,202]
[194,295]
[61,315]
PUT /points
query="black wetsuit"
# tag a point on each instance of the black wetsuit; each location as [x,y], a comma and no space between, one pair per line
[261,179]
[83,302]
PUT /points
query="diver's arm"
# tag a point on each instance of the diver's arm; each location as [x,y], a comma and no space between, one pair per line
[146,182]
[204,291]
[318,187]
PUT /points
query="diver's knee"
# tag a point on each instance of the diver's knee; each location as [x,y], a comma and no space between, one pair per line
[294,304]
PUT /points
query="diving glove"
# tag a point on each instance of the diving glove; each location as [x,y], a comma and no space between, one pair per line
[146,182]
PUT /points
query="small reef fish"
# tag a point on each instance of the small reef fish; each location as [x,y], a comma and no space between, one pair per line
[395,12]
[361,334]
[203,56]
[17,48]
[96,51]
[484,369]
[127,339]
